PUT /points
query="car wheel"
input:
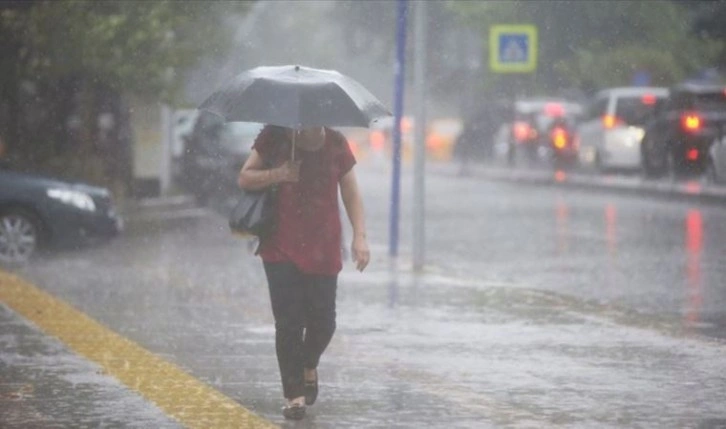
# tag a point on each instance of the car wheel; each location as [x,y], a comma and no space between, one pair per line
[599,166]
[650,169]
[511,155]
[673,169]
[712,174]
[20,234]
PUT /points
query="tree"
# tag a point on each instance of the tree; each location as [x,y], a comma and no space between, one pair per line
[708,23]
[59,75]
[593,44]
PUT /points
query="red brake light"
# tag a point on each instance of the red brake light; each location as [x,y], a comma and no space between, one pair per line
[692,154]
[522,131]
[559,137]
[691,122]
[611,121]
[648,99]
[554,109]
[377,140]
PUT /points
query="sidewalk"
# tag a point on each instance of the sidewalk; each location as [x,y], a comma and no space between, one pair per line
[43,384]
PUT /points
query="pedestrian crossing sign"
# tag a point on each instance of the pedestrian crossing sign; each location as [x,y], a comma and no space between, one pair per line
[513,48]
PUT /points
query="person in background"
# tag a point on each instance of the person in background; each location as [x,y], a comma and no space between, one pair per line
[302,256]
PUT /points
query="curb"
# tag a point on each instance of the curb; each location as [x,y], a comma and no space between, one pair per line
[688,190]
[159,204]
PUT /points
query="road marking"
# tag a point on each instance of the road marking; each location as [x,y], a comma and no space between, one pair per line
[178,394]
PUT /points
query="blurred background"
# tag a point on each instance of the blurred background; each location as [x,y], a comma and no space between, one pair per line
[575,230]
[106,91]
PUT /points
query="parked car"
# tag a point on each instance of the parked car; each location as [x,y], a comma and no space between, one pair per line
[716,169]
[214,154]
[38,211]
[611,131]
[678,140]
[530,131]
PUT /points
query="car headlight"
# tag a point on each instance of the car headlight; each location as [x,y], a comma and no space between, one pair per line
[76,199]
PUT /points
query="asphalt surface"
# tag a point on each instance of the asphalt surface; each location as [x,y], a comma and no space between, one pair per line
[539,306]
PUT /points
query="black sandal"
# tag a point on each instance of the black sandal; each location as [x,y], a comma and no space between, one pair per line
[311,390]
[293,412]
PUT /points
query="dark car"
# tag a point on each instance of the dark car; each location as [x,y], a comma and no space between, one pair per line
[36,211]
[541,125]
[476,140]
[677,141]
[213,155]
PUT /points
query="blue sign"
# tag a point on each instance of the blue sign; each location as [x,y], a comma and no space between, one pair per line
[513,48]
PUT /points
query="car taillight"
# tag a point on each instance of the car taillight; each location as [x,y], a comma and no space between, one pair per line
[559,137]
[611,121]
[377,140]
[648,99]
[523,131]
[691,122]
[692,154]
[554,110]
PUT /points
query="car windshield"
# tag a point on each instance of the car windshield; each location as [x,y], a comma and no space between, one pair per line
[544,112]
[710,101]
[238,137]
[637,110]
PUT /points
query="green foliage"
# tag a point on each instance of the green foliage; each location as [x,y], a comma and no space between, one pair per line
[601,43]
[135,46]
[63,62]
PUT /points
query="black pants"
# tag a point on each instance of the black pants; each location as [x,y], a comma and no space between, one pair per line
[304,310]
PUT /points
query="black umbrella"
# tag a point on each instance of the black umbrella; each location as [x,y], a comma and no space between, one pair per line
[296,97]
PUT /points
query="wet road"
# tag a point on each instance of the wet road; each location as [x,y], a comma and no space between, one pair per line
[538,307]
[662,258]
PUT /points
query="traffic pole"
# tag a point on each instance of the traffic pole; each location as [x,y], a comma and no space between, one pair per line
[399,74]
[419,166]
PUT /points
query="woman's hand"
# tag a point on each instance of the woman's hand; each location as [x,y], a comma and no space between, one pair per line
[360,252]
[287,172]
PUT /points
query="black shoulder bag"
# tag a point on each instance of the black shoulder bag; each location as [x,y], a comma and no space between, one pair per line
[254,213]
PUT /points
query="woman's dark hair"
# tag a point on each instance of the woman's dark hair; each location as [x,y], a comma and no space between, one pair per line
[278,133]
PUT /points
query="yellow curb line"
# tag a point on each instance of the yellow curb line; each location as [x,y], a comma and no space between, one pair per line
[178,394]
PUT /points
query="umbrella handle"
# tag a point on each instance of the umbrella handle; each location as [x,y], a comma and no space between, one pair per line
[293,145]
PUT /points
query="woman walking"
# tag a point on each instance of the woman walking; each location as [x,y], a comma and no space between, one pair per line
[302,257]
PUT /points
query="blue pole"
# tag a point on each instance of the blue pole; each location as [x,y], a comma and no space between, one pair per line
[397,114]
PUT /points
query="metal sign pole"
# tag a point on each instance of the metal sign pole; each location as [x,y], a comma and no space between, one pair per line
[419,166]
[398,113]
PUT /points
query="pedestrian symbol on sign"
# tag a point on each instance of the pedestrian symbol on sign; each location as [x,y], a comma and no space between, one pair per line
[513,48]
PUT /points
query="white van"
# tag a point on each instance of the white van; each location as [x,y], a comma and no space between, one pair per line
[612,128]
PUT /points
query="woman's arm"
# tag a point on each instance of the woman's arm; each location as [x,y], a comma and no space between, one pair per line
[254,176]
[354,208]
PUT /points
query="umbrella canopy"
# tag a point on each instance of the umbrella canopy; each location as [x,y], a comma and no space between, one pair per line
[296,97]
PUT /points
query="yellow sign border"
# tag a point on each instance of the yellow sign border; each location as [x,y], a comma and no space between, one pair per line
[495,31]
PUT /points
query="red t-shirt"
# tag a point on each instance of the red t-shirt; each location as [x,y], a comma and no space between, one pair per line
[308,229]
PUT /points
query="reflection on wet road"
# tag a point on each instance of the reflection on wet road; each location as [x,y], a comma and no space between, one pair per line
[538,307]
